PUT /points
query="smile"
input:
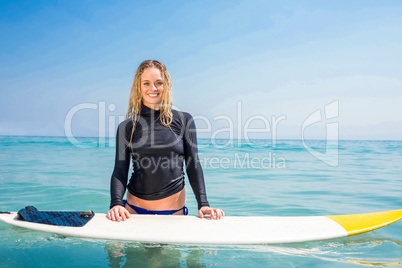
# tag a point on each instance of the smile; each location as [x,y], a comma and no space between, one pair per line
[153,95]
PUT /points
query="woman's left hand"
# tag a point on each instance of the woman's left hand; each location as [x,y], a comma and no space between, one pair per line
[215,213]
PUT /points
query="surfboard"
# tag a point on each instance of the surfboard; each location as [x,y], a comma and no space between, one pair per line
[229,230]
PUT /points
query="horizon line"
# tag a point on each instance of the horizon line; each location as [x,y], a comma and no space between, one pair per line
[294,139]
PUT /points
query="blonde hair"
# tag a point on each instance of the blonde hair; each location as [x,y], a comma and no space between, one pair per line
[135,101]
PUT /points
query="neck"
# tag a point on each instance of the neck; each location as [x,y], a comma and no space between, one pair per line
[155,107]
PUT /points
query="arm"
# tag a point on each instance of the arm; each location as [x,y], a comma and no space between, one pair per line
[193,166]
[194,170]
[118,181]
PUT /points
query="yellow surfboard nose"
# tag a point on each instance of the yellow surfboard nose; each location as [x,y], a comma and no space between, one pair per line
[360,223]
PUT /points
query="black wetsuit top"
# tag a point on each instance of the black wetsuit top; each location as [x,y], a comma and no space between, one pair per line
[158,153]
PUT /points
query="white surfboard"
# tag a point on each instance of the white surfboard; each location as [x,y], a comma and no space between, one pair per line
[228,230]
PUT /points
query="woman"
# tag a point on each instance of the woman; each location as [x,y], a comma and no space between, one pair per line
[159,140]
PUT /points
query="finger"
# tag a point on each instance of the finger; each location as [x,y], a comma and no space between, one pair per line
[127,213]
[218,214]
[116,215]
[216,211]
[112,216]
[200,214]
[212,214]
[122,214]
[221,212]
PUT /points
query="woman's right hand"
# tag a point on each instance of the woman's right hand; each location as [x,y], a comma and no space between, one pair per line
[118,213]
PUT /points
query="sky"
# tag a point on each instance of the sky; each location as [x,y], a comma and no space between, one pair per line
[255,68]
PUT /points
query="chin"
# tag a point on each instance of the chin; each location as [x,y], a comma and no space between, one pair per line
[153,102]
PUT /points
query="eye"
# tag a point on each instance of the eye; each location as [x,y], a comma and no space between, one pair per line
[159,84]
[146,84]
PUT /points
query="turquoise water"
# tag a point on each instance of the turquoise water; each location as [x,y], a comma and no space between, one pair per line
[243,179]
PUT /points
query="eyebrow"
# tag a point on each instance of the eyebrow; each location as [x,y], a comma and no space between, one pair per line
[150,81]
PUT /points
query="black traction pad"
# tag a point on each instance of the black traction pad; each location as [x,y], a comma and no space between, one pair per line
[59,218]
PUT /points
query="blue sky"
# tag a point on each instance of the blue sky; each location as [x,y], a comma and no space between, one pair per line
[270,58]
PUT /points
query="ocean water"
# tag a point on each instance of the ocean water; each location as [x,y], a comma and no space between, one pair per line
[242,178]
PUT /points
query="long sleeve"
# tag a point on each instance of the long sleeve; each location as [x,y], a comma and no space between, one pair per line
[118,181]
[193,166]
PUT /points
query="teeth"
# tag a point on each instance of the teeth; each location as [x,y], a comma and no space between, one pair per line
[153,95]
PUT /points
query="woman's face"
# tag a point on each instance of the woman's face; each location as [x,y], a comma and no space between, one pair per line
[152,88]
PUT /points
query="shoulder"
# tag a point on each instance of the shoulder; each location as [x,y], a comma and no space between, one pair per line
[185,119]
[125,126]
[181,114]
[126,123]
